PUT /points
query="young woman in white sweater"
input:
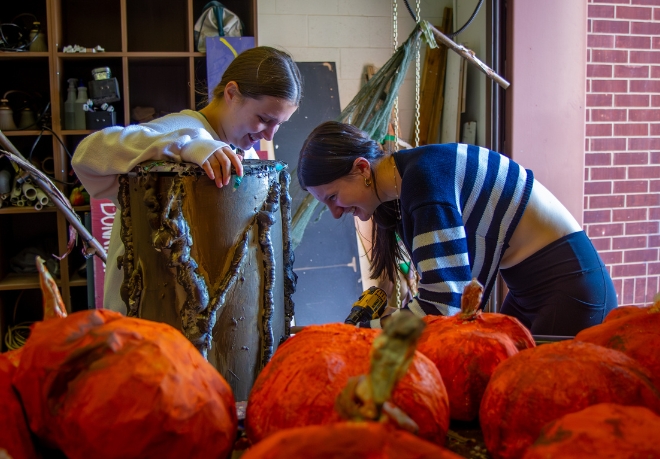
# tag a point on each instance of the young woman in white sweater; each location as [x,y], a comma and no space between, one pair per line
[258,92]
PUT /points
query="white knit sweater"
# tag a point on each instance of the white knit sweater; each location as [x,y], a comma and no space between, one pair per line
[102,156]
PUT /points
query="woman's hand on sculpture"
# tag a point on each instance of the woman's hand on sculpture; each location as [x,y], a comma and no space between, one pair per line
[218,165]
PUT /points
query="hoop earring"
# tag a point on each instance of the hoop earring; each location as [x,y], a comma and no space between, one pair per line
[367,182]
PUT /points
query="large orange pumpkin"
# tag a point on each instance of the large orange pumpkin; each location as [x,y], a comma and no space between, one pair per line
[98,384]
[468,347]
[637,335]
[603,431]
[346,440]
[539,385]
[15,435]
[299,385]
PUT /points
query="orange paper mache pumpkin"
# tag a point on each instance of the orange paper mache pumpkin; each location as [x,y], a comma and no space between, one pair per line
[635,334]
[602,431]
[98,384]
[544,383]
[375,427]
[300,384]
[468,347]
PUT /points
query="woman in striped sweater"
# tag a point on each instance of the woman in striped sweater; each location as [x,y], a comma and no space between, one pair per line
[462,212]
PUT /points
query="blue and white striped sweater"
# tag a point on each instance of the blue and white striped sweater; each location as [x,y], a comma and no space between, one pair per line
[460,204]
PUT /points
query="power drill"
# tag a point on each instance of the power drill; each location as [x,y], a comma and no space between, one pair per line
[370,305]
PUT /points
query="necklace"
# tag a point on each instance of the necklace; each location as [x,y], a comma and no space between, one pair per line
[397,203]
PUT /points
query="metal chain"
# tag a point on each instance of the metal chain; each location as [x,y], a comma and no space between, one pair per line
[395,18]
[395,44]
[397,284]
[395,122]
[417,84]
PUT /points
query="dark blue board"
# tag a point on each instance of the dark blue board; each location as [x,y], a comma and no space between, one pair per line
[327,259]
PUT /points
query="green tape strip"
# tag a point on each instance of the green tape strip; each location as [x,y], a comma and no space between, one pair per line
[428,34]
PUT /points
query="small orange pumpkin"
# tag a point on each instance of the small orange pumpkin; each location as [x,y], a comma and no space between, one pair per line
[544,383]
[299,385]
[471,317]
[468,347]
[636,334]
[624,311]
[605,430]
[98,384]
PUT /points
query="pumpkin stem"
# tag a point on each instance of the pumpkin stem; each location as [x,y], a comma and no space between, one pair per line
[471,299]
[367,396]
[655,307]
[52,300]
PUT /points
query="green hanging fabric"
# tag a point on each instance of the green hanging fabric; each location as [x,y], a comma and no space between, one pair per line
[370,110]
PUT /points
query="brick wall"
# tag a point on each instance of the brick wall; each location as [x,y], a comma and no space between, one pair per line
[622,148]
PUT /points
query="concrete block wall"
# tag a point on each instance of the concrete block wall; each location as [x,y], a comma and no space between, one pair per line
[622,158]
[351,33]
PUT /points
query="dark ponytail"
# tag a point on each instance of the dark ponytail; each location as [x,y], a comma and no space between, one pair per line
[327,155]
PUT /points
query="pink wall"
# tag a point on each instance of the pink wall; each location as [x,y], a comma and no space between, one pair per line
[545,103]
[583,112]
[622,189]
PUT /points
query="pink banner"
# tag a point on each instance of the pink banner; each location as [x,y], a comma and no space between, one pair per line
[103,215]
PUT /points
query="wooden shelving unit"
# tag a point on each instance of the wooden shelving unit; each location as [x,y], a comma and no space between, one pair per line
[149,48]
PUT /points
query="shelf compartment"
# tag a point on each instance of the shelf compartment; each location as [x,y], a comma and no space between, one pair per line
[160,83]
[82,69]
[23,230]
[10,14]
[163,21]
[29,87]
[22,306]
[90,24]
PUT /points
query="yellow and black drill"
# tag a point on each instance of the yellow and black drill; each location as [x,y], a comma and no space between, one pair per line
[370,305]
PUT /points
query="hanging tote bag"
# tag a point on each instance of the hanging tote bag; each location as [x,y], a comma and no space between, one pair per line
[216,20]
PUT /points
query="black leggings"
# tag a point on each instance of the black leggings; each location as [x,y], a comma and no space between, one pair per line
[561,289]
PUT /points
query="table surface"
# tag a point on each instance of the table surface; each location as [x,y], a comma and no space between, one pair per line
[466,440]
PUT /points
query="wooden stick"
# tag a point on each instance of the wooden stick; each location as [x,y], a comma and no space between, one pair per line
[438,103]
[45,184]
[470,56]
